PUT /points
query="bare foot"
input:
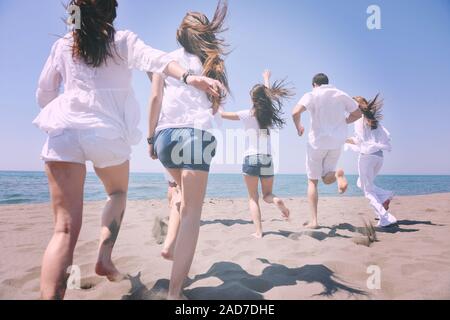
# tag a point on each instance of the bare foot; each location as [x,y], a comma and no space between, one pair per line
[257,235]
[109,271]
[167,254]
[286,213]
[342,181]
[311,225]
[387,204]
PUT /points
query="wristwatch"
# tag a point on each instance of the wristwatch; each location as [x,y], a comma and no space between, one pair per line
[151,141]
[186,75]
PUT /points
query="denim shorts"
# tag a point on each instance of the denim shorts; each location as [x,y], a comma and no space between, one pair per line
[260,165]
[185,148]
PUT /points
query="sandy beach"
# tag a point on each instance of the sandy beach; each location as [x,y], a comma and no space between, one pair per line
[290,262]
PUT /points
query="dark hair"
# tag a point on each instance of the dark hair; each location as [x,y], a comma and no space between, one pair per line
[371,110]
[198,36]
[94,41]
[320,79]
[268,103]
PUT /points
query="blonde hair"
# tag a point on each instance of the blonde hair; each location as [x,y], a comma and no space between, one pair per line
[199,36]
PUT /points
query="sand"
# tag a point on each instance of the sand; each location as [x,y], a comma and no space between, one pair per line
[290,262]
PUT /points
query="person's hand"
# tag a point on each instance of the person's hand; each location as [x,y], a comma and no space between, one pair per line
[267,74]
[350,141]
[151,152]
[208,85]
[301,130]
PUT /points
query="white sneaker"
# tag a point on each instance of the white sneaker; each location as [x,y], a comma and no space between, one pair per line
[387,220]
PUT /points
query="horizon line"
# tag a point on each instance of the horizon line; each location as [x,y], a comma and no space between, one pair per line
[239,173]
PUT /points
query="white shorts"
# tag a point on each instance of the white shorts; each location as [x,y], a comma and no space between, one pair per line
[79,146]
[320,162]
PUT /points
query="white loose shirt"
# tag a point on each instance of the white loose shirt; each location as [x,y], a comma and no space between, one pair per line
[370,141]
[329,108]
[95,98]
[257,141]
[185,106]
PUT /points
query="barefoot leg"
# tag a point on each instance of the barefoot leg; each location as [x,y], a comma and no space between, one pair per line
[342,181]
[252,187]
[313,199]
[270,198]
[115,180]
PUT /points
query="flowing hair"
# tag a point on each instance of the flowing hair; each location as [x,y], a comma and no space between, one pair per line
[94,41]
[268,104]
[199,36]
[372,110]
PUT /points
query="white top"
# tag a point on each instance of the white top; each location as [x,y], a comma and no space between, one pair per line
[185,106]
[329,108]
[257,141]
[95,98]
[370,141]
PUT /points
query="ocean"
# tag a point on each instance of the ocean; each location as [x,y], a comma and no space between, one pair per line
[31,187]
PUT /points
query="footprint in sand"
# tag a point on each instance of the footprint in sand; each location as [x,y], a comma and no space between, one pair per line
[90,283]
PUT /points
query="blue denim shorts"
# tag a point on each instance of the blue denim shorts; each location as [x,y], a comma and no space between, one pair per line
[185,148]
[260,165]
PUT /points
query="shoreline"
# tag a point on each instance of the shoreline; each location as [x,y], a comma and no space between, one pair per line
[207,199]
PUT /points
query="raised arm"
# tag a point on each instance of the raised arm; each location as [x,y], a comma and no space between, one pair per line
[297,118]
[266,76]
[155,104]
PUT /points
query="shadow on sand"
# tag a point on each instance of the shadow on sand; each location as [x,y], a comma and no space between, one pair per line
[226,222]
[238,284]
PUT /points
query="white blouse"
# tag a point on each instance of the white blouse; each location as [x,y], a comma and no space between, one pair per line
[185,106]
[370,141]
[95,98]
[257,141]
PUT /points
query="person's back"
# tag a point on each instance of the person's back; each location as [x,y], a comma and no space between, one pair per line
[328,107]
[331,111]
[95,97]
[183,106]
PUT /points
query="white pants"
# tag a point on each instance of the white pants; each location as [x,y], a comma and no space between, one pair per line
[368,167]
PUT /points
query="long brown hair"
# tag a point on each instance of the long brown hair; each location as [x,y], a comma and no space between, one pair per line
[199,36]
[372,110]
[94,41]
[268,104]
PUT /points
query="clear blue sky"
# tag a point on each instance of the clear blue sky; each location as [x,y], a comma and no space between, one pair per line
[407,62]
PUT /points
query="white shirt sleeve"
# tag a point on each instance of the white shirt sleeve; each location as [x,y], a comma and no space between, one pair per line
[145,58]
[350,104]
[49,80]
[307,101]
[244,114]
[384,139]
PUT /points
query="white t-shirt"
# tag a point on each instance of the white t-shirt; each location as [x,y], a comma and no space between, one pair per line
[99,98]
[329,108]
[184,106]
[257,141]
